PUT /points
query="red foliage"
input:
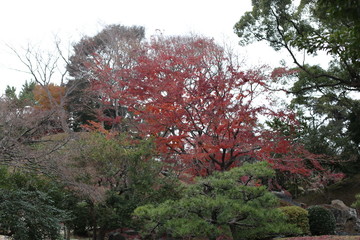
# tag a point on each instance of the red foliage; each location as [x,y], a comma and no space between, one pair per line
[281,72]
[201,108]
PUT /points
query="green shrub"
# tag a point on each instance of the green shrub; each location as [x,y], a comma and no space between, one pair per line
[219,205]
[29,215]
[297,216]
[356,204]
[321,221]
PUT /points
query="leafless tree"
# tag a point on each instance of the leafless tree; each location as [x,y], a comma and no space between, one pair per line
[22,141]
[46,68]
[27,136]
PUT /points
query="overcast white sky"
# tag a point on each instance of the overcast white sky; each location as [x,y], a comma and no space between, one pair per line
[39,21]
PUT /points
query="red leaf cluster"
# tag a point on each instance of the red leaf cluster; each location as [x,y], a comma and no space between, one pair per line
[201,108]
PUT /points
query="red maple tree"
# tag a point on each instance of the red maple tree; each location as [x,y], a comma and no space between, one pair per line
[203,110]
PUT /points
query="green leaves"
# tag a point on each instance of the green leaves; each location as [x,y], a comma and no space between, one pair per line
[356,204]
[311,27]
[24,98]
[31,206]
[225,203]
[114,174]
[321,96]
[30,215]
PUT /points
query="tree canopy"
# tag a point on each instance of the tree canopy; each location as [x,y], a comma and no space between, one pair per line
[231,203]
[116,47]
[310,27]
[153,112]
[201,108]
[324,98]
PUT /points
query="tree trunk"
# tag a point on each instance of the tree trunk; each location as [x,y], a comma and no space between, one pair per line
[102,233]
[93,221]
[233,231]
[66,232]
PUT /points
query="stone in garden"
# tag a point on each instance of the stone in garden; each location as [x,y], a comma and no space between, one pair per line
[347,220]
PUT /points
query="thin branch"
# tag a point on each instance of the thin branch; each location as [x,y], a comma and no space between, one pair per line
[340,81]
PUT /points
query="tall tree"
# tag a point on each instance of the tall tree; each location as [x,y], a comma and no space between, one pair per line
[202,109]
[115,46]
[309,27]
[45,70]
[10,93]
[24,98]
[26,95]
[324,96]
[330,120]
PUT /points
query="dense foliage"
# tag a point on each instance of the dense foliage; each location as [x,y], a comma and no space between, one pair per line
[310,26]
[201,108]
[323,97]
[25,96]
[30,207]
[298,216]
[231,203]
[113,174]
[27,215]
[321,221]
[151,112]
[117,47]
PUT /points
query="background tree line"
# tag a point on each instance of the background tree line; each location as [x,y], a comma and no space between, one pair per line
[133,116]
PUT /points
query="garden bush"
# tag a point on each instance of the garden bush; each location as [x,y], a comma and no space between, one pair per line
[356,204]
[297,216]
[321,221]
[220,205]
[29,215]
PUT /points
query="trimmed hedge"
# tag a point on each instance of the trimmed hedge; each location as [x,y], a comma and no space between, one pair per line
[297,216]
[321,220]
